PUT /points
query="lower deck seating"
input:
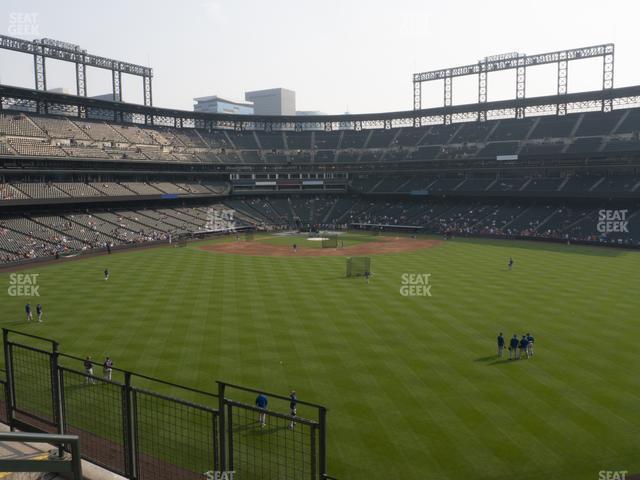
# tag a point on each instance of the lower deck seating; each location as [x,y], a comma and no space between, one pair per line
[25,236]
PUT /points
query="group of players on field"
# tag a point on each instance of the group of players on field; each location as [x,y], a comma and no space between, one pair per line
[29,313]
[107,370]
[27,310]
[262,403]
[518,348]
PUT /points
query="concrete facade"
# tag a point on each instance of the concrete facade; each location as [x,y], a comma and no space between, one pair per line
[215,104]
[274,101]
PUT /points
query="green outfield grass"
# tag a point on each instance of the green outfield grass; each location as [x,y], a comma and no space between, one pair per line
[413,385]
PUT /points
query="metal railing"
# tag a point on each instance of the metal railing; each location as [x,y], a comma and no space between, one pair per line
[53,465]
[142,434]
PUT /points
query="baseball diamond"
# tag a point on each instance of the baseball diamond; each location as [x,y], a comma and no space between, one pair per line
[243,290]
[199,313]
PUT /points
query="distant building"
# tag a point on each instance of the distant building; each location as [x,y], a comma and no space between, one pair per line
[309,113]
[215,104]
[275,101]
[104,96]
[102,114]
[93,112]
[58,90]
[56,109]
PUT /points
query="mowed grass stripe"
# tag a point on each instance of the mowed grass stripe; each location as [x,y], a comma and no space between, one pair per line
[413,385]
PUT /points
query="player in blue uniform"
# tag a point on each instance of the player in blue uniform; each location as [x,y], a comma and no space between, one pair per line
[293,407]
[262,402]
[27,310]
[513,348]
[510,263]
[39,312]
[523,346]
[500,345]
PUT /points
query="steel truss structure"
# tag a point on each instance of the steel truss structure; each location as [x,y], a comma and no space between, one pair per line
[66,52]
[520,63]
[34,101]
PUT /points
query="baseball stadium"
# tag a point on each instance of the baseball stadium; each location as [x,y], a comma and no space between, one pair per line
[434,293]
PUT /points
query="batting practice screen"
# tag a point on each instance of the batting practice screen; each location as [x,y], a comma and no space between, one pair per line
[358,266]
[330,242]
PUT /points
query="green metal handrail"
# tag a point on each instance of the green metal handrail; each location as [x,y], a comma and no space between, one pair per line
[73,466]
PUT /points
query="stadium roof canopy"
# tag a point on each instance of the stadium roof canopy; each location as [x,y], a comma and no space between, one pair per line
[43,102]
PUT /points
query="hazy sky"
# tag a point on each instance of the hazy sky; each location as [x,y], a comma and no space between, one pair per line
[338,55]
